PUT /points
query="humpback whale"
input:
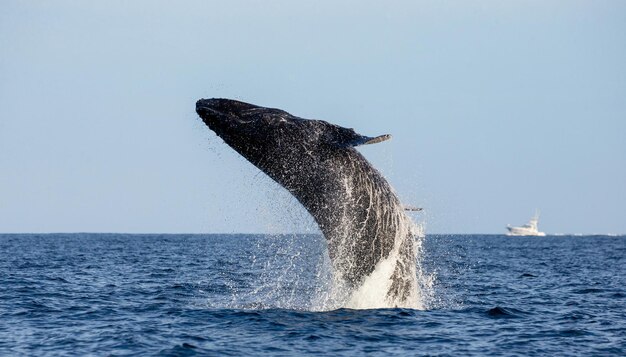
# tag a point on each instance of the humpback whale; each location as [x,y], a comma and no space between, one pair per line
[356,209]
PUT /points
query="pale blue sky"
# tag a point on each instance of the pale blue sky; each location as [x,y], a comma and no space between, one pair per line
[496,108]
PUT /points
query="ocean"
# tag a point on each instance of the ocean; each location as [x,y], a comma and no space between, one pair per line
[186,295]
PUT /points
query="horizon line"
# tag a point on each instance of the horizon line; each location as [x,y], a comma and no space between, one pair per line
[290,233]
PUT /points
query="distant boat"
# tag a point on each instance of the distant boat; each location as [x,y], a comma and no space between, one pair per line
[529,229]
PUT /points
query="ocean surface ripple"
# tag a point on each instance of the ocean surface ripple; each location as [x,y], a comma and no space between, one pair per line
[184,295]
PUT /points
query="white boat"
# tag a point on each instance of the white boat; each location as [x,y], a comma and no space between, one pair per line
[529,229]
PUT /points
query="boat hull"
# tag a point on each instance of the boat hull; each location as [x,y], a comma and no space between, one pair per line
[520,231]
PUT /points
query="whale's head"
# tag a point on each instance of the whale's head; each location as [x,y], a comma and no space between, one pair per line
[258,132]
[243,125]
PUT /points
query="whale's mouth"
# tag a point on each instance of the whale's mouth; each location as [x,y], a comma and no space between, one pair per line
[210,111]
[216,111]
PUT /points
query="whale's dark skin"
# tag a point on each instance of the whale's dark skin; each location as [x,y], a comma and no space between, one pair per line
[354,206]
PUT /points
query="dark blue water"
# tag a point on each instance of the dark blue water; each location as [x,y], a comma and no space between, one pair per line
[178,295]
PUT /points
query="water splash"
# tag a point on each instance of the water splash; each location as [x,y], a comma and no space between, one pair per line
[373,292]
[300,274]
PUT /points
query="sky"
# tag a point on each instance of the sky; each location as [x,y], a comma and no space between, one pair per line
[496,108]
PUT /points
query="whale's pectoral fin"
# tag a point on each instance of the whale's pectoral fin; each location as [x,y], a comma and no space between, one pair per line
[378,139]
[344,137]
